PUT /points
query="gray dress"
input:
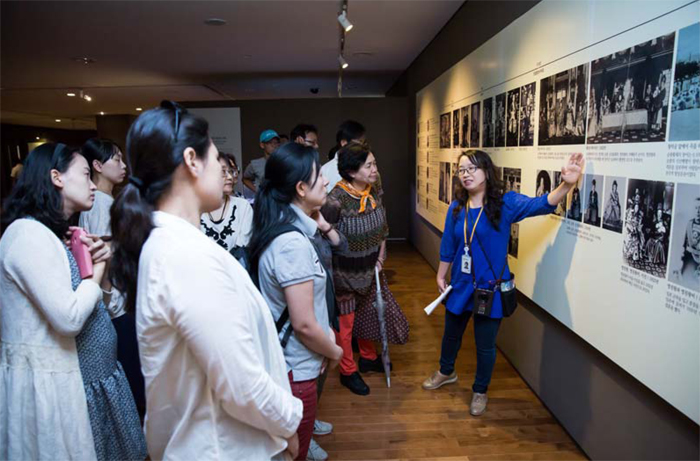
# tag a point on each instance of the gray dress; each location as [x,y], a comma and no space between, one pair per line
[114,420]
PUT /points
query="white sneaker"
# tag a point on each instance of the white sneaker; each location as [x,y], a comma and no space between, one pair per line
[322,427]
[478,405]
[316,453]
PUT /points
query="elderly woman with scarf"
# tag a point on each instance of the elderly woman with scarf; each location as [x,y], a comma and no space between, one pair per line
[355,208]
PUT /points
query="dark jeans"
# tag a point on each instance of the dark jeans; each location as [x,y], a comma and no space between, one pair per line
[485,331]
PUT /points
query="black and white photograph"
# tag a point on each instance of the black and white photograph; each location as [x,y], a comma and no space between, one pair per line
[563,107]
[455,179]
[445,130]
[613,205]
[685,103]
[474,132]
[544,183]
[444,193]
[464,113]
[630,92]
[513,110]
[455,128]
[647,226]
[561,206]
[487,136]
[500,121]
[511,179]
[684,262]
[592,185]
[513,240]
[527,114]
[574,208]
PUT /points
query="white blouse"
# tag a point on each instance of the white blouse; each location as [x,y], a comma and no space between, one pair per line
[234,228]
[97,221]
[216,381]
[43,408]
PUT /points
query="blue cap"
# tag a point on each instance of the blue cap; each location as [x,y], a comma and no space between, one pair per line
[268,135]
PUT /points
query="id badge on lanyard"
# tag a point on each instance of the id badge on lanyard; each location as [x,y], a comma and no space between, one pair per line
[466,261]
[467,257]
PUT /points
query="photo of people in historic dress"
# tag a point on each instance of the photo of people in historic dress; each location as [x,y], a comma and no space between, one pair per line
[630,92]
[527,114]
[563,107]
[455,128]
[685,103]
[500,121]
[474,136]
[561,206]
[488,124]
[647,225]
[615,187]
[684,262]
[445,130]
[592,184]
[511,179]
[544,182]
[464,113]
[574,202]
[513,110]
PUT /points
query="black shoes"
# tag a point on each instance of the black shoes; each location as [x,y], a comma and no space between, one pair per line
[355,383]
[376,365]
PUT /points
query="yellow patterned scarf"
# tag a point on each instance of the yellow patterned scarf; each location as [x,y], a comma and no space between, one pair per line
[363,196]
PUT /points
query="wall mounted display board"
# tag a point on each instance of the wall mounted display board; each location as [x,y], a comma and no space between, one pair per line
[619,261]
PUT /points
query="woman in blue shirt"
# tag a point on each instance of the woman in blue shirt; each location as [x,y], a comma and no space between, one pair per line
[474,241]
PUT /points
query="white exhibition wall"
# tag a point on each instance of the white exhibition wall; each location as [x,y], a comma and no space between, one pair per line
[619,262]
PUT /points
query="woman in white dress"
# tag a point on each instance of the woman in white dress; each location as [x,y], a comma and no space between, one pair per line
[63,394]
[216,379]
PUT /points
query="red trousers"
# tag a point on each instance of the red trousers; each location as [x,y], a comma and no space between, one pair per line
[344,340]
[306,392]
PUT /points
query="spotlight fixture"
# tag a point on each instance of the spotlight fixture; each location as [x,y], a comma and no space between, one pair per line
[87,98]
[215,22]
[102,113]
[138,109]
[37,138]
[70,95]
[58,120]
[343,20]
[343,63]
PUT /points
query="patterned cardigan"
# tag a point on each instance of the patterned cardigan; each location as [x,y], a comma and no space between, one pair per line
[354,268]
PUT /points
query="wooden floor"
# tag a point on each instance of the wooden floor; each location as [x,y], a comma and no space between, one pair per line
[407,422]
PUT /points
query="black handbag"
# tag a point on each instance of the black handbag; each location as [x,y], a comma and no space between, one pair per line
[509,302]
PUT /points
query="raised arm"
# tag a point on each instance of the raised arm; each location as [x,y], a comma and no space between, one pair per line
[570,173]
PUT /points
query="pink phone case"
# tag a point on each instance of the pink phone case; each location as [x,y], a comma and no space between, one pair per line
[81,253]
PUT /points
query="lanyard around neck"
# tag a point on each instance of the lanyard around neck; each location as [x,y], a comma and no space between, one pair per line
[466,220]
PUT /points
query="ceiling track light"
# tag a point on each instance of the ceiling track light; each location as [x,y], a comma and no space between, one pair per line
[343,63]
[344,22]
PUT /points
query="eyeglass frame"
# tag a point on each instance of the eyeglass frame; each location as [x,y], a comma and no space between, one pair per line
[471,169]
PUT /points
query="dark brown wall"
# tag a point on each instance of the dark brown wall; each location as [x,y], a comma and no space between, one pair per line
[12,136]
[609,414]
[384,118]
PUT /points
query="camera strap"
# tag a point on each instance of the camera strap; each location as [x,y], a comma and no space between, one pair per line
[488,261]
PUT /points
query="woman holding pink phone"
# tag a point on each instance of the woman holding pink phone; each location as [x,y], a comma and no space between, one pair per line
[63,395]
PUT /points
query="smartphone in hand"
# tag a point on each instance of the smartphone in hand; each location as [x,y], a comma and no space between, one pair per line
[81,253]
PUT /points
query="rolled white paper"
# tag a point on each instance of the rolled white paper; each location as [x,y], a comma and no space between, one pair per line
[431,307]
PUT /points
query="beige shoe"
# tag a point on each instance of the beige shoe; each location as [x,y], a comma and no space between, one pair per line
[437,379]
[478,405]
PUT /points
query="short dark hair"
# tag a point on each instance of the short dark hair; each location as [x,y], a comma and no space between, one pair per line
[351,157]
[99,149]
[229,158]
[35,195]
[301,130]
[349,130]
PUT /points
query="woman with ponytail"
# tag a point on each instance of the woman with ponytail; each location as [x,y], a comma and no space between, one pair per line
[475,244]
[216,385]
[63,394]
[291,274]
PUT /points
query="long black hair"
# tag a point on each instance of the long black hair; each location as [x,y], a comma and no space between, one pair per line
[99,149]
[35,195]
[285,168]
[493,199]
[155,144]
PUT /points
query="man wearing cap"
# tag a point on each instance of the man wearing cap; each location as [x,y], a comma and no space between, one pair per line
[255,171]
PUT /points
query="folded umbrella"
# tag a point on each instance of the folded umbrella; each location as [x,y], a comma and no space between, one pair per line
[381,310]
